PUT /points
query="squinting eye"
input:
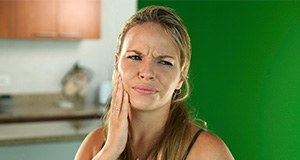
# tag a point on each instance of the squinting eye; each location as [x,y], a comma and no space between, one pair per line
[165,63]
[135,57]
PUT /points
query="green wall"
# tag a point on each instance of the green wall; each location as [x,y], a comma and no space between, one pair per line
[245,73]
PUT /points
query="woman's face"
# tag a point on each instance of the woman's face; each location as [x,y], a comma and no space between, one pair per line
[149,65]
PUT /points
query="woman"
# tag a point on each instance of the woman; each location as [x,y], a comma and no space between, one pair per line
[146,117]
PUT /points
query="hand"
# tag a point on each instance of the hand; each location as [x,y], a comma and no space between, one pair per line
[118,123]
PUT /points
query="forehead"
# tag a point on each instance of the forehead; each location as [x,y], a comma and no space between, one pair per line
[149,37]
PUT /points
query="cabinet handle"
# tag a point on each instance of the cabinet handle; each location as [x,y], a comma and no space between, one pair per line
[46,34]
[70,35]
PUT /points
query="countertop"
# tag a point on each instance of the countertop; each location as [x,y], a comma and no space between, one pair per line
[40,119]
[46,107]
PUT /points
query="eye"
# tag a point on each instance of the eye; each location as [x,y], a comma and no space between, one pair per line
[135,57]
[165,63]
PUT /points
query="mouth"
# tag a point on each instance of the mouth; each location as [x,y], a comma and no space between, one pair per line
[144,89]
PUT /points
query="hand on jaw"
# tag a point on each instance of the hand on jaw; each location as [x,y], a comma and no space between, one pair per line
[118,124]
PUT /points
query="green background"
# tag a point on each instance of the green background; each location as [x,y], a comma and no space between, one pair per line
[245,73]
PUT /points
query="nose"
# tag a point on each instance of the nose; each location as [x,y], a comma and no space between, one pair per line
[146,71]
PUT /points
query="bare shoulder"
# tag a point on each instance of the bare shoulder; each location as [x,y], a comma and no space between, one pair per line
[211,147]
[90,145]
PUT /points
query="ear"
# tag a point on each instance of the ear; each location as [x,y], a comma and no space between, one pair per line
[179,85]
[183,75]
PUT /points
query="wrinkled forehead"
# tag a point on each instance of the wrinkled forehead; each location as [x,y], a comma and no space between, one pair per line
[150,36]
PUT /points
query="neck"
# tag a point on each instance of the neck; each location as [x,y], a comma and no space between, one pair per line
[145,129]
[147,124]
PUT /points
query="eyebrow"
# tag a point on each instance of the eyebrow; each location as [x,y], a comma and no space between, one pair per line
[137,52]
[161,56]
[166,56]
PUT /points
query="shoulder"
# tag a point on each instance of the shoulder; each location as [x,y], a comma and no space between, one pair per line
[209,146]
[91,145]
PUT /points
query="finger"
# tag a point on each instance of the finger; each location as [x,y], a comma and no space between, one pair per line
[114,93]
[125,104]
[117,104]
[115,83]
[115,89]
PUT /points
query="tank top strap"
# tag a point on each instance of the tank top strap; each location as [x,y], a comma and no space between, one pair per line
[192,143]
[103,144]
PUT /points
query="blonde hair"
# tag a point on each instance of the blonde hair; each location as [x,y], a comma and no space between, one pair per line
[171,142]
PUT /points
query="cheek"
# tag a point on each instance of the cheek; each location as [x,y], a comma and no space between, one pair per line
[121,68]
[124,83]
[173,80]
[127,68]
[126,74]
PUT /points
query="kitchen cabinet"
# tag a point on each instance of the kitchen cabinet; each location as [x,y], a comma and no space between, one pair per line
[79,18]
[5,11]
[34,19]
[50,19]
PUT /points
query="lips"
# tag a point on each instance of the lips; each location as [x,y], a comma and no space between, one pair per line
[142,89]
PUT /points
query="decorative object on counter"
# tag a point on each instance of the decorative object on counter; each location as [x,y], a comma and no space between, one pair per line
[105,90]
[7,104]
[75,82]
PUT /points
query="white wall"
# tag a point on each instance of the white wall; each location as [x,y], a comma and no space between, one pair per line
[39,66]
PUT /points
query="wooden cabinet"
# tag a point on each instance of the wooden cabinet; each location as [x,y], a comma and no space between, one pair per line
[5,13]
[78,18]
[51,19]
[34,19]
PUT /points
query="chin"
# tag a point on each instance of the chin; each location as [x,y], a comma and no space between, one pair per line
[142,104]
[139,104]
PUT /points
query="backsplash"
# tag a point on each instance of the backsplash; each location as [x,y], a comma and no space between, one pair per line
[38,66]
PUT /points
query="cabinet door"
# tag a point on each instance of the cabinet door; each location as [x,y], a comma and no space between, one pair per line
[78,19]
[5,13]
[34,19]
